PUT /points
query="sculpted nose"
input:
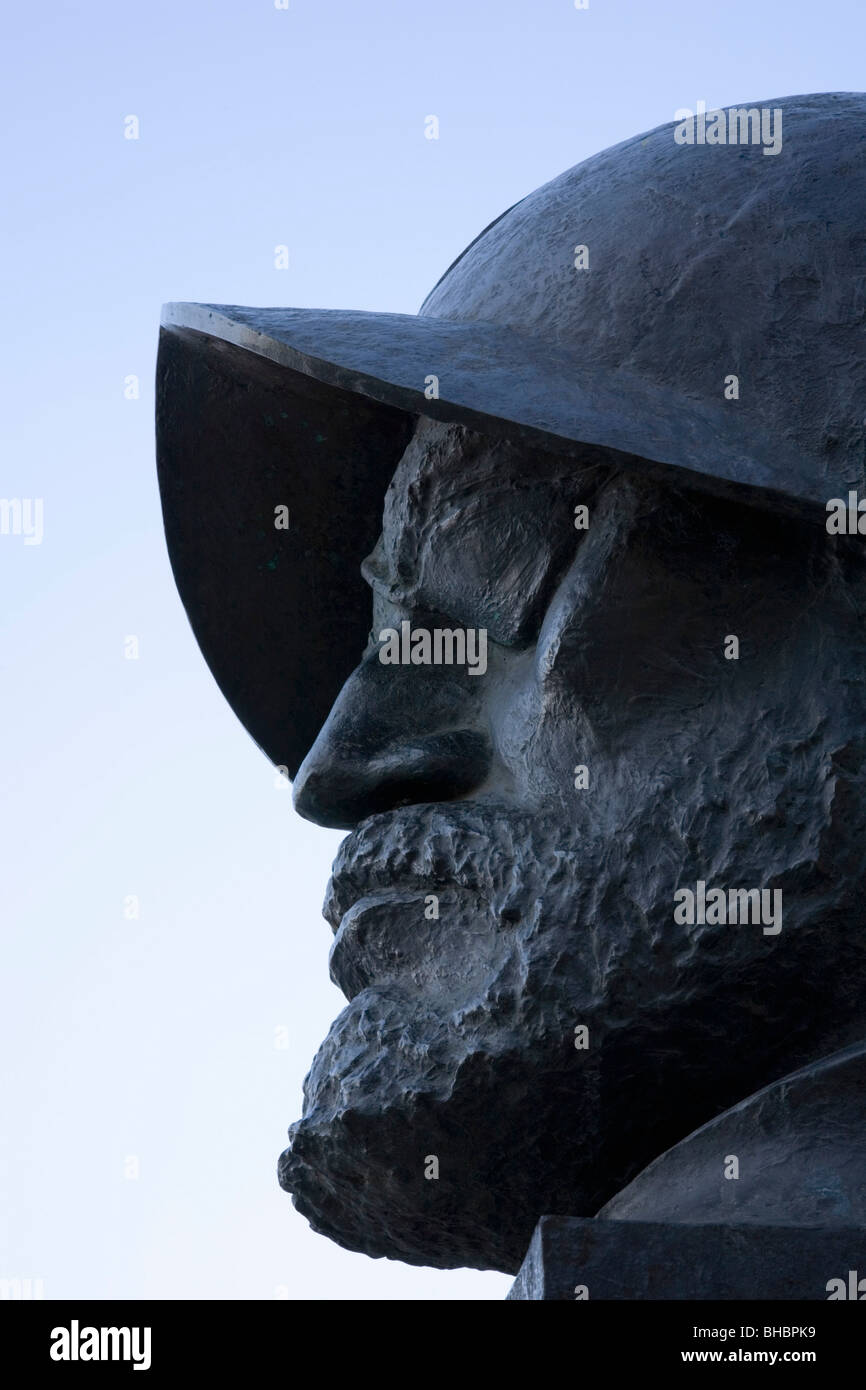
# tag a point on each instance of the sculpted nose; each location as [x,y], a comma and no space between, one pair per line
[394,735]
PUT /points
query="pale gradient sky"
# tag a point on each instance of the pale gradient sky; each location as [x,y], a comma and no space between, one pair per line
[259,126]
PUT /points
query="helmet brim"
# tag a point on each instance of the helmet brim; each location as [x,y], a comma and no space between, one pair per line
[311,409]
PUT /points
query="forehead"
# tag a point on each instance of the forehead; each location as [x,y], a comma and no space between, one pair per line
[476,528]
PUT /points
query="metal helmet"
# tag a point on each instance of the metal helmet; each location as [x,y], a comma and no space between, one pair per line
[682,303]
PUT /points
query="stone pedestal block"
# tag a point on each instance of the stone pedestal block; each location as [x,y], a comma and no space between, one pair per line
[630,1260]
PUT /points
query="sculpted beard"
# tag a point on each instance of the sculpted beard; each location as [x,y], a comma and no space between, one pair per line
[436,1035]
[541,931]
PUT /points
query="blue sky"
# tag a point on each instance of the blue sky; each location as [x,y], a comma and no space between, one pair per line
[153,1038]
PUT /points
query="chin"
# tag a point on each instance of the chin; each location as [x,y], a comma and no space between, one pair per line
[439,1137]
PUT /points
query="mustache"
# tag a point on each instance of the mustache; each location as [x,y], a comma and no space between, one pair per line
[478,847]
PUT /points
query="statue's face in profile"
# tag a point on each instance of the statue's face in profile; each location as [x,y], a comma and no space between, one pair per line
[670,694]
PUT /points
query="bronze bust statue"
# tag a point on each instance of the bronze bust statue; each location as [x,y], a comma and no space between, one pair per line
[600,748]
